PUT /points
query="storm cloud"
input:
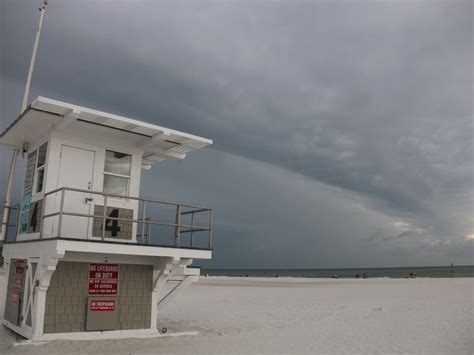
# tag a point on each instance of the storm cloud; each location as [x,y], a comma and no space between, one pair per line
[343,130]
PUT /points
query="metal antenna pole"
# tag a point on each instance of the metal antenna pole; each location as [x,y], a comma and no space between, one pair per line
[6,208]
[42,10]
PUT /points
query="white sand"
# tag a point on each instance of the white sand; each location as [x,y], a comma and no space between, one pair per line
[303,316]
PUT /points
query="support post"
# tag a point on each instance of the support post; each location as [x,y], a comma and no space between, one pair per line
[61,206]
[143,223]
[161,272]
[210,229]
[148,231]
[192,229]
[104,217]
[6,206]
[42,215]
[178,225]
[45,271]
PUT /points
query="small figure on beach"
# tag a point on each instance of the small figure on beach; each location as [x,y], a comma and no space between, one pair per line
[334,275]
[357,276]
[413,275]
[364,275]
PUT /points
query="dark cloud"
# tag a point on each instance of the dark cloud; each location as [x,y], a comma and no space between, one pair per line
[368,105]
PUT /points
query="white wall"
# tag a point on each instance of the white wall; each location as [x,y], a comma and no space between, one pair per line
[97,139]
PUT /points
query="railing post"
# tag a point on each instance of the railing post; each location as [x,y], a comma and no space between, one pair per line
[192,229]
[17,221]
[6,226]
[143,222]
[42,214]
[104,217]
[148,231]
[210,229]
[177,229]
[61,206]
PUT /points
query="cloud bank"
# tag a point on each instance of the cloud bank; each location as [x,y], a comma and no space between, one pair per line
[343,131]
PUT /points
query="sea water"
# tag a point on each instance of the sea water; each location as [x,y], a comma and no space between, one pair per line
[393,272]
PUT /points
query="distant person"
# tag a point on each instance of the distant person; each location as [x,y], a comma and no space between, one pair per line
[357,276]
[452,270]
[364,275]
[334,275]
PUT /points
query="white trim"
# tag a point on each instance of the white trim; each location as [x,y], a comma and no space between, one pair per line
[55,246]
[4,273]
[131,249]
[22,331]
[108,334]
[113,259]
[117,175]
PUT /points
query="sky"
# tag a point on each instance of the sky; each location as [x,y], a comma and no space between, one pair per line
[343,130]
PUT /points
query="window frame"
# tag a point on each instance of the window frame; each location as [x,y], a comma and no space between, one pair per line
[126,177]
[39,169]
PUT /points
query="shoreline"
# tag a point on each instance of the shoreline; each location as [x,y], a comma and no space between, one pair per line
[223,277]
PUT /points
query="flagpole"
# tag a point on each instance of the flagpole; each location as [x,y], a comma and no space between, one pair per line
[6,208]
[42,10]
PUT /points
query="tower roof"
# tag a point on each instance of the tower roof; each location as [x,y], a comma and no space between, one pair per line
[44,115]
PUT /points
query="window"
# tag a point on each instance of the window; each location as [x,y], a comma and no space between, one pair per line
[40,165]
[117,172]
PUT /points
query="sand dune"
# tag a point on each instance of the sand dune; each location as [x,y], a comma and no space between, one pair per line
[303,316]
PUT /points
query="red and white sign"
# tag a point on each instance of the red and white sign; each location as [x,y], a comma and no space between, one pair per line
[14,297]
[99,306]
[18,284]
[103,279]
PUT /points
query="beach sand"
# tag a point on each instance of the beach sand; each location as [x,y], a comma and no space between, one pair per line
[301,316]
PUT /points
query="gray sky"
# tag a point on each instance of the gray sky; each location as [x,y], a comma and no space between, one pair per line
[343,130]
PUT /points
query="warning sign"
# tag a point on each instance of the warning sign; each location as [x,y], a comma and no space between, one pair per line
[14,297]
[98,306]
[19,275]
[103,279]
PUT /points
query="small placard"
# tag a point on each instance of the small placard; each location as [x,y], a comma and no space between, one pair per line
[102,305]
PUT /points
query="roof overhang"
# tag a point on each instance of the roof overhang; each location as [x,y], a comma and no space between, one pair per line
[45,115]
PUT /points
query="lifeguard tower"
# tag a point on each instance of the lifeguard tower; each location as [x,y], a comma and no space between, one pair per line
[86,256]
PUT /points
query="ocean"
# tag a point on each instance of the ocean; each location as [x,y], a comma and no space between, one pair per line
[393,272]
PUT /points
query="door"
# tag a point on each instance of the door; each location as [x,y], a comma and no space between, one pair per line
[76,170]
[15,290]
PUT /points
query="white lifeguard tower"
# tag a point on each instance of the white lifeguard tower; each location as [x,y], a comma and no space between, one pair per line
[85,255]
